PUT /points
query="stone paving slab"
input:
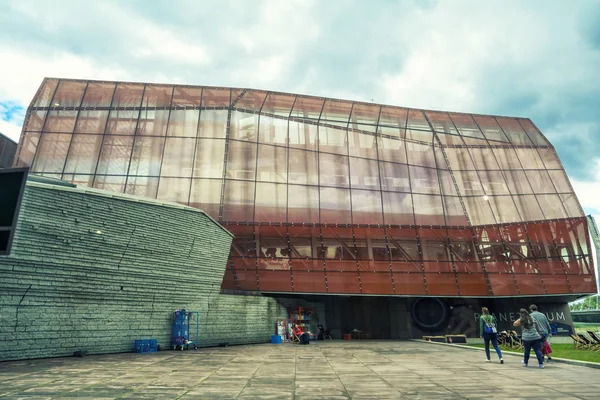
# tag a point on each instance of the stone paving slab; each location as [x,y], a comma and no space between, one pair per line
[322,370]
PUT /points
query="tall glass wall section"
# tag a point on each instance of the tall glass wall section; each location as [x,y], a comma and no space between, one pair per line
[329,196]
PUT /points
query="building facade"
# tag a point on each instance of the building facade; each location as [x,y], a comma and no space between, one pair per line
[328,196]
[8,148]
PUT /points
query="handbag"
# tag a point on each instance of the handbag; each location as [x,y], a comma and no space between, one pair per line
[488,326]
[546,349]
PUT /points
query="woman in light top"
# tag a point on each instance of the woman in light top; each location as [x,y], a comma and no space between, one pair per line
[489,332]
[531,337]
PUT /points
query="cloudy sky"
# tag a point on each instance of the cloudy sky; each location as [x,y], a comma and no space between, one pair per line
[536,59]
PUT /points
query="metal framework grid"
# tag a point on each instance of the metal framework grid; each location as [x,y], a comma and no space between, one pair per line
[326,195]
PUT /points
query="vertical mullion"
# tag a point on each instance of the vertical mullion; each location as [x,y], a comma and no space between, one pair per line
[162,158]
[62,174]
[196,139]
[135,135]
[105,127]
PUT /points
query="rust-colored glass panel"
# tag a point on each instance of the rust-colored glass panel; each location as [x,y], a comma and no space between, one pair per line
[273,130]
[307,107]
[507,158]
[376,282]
[409,283]
[303,167]
[448,139]
[394,177]
[90,121]
[528,208]
[428,209]
[206,195]
[244,126]
[468,183]
[178,157]
[271,202]
[147,156]
[398,208]
[128,95]
[115,155]
[488,235]
[560,180]
[437,267]
[186,96]
[337,112]
[393,117]
[343,282]
[551,205]
[479,210]
[447,183]
[60,121]
[413,267]
[142,186]
[303,204]
[459,159]
[279,104]
[517,182]
[216,97]
[540,181]
[247,279]
[403,245]
[469,141]
[513,233]
[68,94]
[122,122]
[157,96]
[340,265]
[571,205]
[83,154]
[27,148]
[303,136]
[208,161]
[392,150]
[362,145]
[213,124]
[483,158]
[371,249]
[434,245]
[420,154]
[565,237]
[421,136]
[174,189]
[111,183]
[416,120]
[229,281]
[472,284]
[45,93]
[183,123]
[35,120]
[549,267]
[152,122]
[79,180]
[335,206]
[274,281]
[467,267]
[309,282]
[441,284]
[529,158]
[424,180]
[303,242]
[364,114]
[252,100]
[583,284]
[98,94]
[334,170]
[333,140]
[364,174]
[534,134]
[241,160]
[513,130]
[466,125]
[455,214]
[549,159]
[306,264]
[531,284]
[490,128]
[366,207]
[441,122]
[503,284]
[503,267]
[52,153]
[504,209]
[238,203]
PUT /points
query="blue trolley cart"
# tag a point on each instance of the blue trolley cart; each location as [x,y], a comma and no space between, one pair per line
[180,334]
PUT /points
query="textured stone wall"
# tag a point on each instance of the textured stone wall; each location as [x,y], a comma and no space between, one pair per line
[95,271]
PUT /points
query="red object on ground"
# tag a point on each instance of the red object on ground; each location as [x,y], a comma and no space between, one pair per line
[546,349]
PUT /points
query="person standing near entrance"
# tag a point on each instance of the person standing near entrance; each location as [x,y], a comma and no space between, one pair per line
[543,324]
[531,337]
[489,333]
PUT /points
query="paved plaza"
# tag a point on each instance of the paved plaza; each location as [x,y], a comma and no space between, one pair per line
[322,370]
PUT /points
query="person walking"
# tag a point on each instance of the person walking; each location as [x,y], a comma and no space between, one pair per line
[531,337]
[489,332]
[544,325]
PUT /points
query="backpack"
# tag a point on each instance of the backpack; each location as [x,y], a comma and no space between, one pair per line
[488,326]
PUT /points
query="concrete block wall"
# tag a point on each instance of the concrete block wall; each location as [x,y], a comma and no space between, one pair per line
[94,271]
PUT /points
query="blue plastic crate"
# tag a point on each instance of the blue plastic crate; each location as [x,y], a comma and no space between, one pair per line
[145,346]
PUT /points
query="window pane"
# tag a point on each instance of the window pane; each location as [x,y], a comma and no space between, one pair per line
[178,157]
[142,186]
[364,174]
[483,158]
[428,210]
[332,140]
[244,126]
[549,158]
[79,180]
[176,190]
[394,177]
[238,203]
[272,164]
[335,206]
[147,156]
[306,107]
[241,160]
[91,121]
[186,96]
[424,180]
[45,93]
[210,154]
[111,183]
[213,123]
[530,159]
[303,167]
[122,122]
[366,207]
[468,183]
[514,131]
[540,181]
[455,215]
[98,94]
[420,154]
[51,153]
[252,100]
[507,158]
[517,182]
[493,182]
[206,195]
[392,150]
[152,122]
[459,159]
[362,145]
[571,205]
[336,110]
[333,170]
[303,136]
[68,94]
[60,121]
[366,114]
[115,154]
[278,104]
[35,120]
[560,180]
[213,97]
[28,146]
[479,210]
[83,154]
[441,122]
[534,134]
[273,130]
[504,209]
[448,187]
[183,123]
[528,207]
[393,117]
[416,120]
[398,208]
[271,202]
[157,96]
[551,206]
[466,125]
[128,95]
[490,128]
[303,204]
